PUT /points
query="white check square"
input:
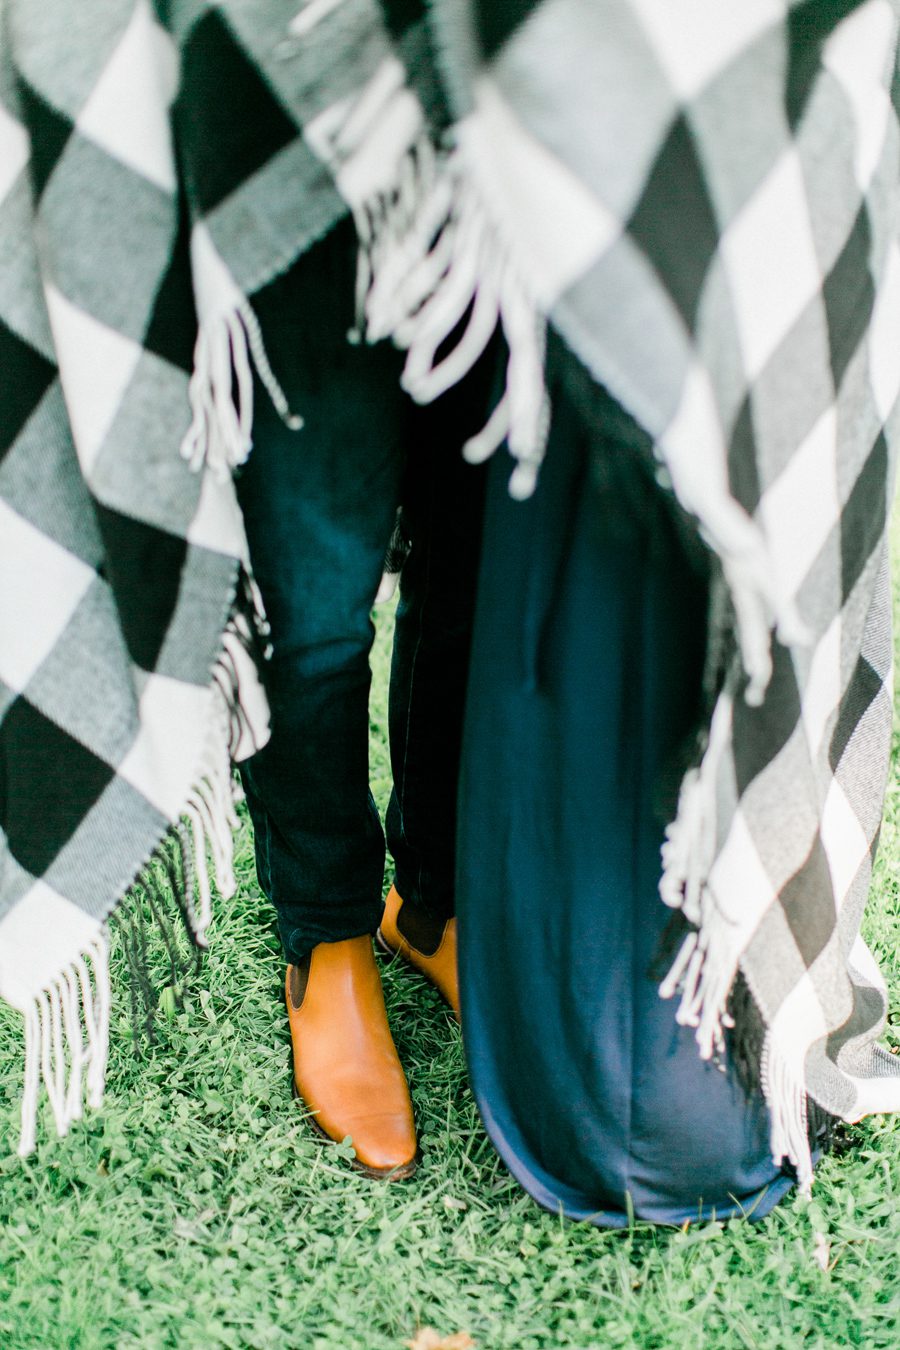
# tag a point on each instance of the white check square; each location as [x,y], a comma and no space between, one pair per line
[884,338]
[95,365]
[13,151]
[173,714]
[32,619]
[799,510]
[696,39]
[126,112]
[822,691]
[770,256]
[844,841]
[858,54]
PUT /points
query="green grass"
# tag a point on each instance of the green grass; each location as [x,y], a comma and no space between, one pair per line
[197,1211]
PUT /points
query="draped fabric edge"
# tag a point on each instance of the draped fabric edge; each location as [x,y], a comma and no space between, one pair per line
[66,1025]
[703,973]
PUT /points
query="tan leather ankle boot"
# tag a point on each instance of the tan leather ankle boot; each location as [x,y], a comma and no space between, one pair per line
[346,1067]
[426,943]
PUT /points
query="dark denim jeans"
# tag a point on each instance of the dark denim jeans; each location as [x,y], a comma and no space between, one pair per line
[319,506]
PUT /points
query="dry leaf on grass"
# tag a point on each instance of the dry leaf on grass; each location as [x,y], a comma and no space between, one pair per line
[822,1251]
[429,1339]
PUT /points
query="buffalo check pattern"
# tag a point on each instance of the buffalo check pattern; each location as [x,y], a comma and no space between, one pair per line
[702,203]
[726,264]
[120,562]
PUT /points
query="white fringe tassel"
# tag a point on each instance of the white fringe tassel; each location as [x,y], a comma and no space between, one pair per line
[429,255]
[66,1043]
[210,807]
[458,268]
[221,391]
[783,1084]
[690,844]
[705,967]
[707,963]
[210,811]
[67,1026]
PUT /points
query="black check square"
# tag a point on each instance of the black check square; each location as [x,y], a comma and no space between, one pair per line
[168,335]
[233,123]
[760,733]
[34,375]
[849,295]
[498,21]
[48,783]
[863,516]
[676,190]
[743,470]
[868,1009]
[144,567]
[864,688]
[809,24]
[50,132]
[808,904]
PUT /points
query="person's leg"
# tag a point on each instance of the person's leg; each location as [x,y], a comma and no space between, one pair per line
[319,505]
[585,681]
[432,635]
[443,500]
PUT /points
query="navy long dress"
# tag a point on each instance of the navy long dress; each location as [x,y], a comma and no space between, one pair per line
[585,683]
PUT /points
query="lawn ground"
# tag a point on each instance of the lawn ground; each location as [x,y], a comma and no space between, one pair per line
[195,1210]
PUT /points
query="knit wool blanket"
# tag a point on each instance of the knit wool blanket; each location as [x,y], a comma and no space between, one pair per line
[703,204]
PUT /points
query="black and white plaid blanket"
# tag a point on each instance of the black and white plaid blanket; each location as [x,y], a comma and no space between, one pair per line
[701,200]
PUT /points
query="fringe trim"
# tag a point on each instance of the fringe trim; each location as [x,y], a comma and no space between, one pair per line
[783,1085]
[705,967]
[67,1026]
[705,971]
[210,806]
[689,850]
[437,275]
[433,273]
[706,975]
[229,346]
[442,286]
[746,1039]
[67,1043]
[170,875]
[746,1054]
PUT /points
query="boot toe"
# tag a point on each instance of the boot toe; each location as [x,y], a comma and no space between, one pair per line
[385,1143]
[346,1068]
